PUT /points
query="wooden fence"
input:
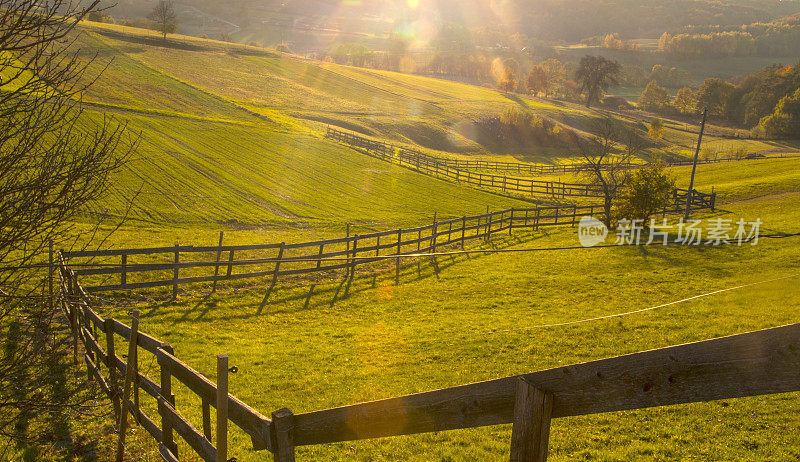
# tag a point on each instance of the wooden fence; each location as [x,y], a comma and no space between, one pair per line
[411,157]
[127,387]
[443,169]
[183,264]
[755,363]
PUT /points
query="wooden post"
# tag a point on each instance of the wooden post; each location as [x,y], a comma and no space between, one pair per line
[274,274]
[463,230]
[536,220]
[230,265]
[222,408]
[397,260]
[216,268]
[136,384]
[351,269]
[50,273]
[434,230]
[487,225]
[73,319]
[319,255]
[511,221]
[531,429]
[206,406]
[175,273]
[111,363]
[123,277]
[283,429]
[126,389]
[489,220]
[166,392]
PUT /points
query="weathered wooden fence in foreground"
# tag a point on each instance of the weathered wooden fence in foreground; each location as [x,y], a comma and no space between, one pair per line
[124,383]
[750,364]
[324,256]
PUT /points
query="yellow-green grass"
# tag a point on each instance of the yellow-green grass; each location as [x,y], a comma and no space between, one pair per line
[208,172]
[207,163]
[463,324]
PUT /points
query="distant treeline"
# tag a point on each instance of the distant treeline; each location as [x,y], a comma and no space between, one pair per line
[777,38]
[768,101]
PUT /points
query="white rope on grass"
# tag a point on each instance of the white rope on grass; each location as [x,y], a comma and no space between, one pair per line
[610,316]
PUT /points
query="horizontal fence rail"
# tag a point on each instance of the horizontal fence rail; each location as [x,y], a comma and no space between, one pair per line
[183,264]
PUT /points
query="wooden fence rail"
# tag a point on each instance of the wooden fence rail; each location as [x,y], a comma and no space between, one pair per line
[323,256]
[86,324]
[414,157]
[749,364]
[436,167]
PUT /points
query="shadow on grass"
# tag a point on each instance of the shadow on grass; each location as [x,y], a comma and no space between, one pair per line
[327,293]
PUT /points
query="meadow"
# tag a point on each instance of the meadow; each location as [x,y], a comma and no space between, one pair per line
[232,138]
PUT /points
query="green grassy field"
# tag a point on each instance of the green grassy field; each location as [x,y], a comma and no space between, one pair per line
[476,319]
[232,139]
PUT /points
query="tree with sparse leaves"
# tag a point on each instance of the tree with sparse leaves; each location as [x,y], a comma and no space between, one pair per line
[607,159]
[55,163]
[163,15]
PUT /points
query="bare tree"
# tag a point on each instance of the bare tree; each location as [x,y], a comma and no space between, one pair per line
[164,16]
[607,157]
[55,161]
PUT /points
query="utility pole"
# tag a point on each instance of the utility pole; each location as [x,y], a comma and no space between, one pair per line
[694,166]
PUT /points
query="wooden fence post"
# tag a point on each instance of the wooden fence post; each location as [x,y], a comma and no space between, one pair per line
[222,408]
[216,268]
[50,274]
[319,255]
[175,272]
[73,319]
[274,274]
[487,225]
[126,393]
[111,363]
[397,260]
[463,230]
[351,269]
[230,265]
[123,276]
[283,429]
[206,408]
[434,231]
[531,429]
[489,220]
[511,221]
[166,392]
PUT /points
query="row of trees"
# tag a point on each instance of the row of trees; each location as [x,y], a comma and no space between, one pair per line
[766,100]
[772,39]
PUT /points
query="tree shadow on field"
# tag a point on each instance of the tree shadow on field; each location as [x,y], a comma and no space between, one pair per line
[326,293]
